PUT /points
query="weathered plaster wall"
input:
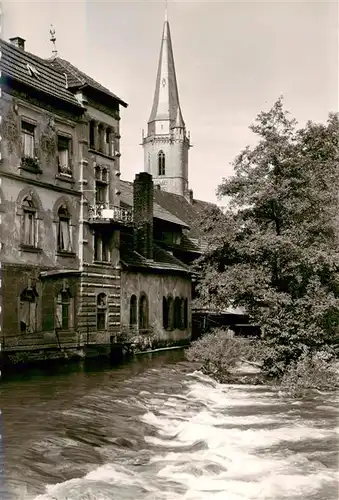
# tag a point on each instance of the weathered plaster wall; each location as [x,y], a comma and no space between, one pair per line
[48,124]
[155,286]
[18,277]
[47,202]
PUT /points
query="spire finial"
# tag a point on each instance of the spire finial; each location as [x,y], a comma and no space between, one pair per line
[166,11]
[53,40]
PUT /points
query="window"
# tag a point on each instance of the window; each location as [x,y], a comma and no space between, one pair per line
[64,163]
[161,163]
[101,138]
[100,193]
[64,310]
[32,70]
[29,221]
[101,311]
[143,313]
[101,247]
[27,310]
[182,315]
[101,185]
[64,230]
[170,313]
[133,311]
[27,138]
[164,313]
[92,134]
[177,313]
[108,142]
[185,313]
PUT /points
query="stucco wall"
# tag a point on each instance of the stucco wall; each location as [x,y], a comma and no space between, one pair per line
[155,286]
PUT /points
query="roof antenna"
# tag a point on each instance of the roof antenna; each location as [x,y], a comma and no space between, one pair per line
[53,40]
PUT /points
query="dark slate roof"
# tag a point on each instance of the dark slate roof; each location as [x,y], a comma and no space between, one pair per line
[172,208]
[13,64]
[163,260]
[126,199]
[77,78]
[182,208]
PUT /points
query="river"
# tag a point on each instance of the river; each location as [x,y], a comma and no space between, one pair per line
[157,429]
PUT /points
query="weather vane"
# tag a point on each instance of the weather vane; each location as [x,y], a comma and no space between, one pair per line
[53,40]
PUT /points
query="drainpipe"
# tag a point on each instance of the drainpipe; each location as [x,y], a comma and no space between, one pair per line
[81,218]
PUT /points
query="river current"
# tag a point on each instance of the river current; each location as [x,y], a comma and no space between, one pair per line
[157,429]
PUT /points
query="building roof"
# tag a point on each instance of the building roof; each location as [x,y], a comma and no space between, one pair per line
[166,104]
[31,70]
[177,210]
[187,211]
[163,260]
[78,79]
[126,199]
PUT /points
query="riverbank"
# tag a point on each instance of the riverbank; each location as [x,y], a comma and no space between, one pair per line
[12,361]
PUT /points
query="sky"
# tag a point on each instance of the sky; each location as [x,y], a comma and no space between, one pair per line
[233,60]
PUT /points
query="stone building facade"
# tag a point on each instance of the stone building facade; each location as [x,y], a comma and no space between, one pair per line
[79,255]
[59,172]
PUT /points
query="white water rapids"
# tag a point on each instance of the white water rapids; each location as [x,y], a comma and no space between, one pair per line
[203,440]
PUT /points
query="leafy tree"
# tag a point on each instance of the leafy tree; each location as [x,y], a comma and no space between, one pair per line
[274,250]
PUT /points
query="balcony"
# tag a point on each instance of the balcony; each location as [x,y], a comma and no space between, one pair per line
[106,213]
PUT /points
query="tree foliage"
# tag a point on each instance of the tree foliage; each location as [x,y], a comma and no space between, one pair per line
[274,251]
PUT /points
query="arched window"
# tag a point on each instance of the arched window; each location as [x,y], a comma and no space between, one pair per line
[177,311]
[164,313]
[161,163]
[133,311]
[170,311]
[185,313]
[182,314]
[64,230]
[143,313]
[28,310]
[29,222]
[101,311]
[64,310]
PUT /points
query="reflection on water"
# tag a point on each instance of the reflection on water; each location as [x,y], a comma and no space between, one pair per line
[156,429]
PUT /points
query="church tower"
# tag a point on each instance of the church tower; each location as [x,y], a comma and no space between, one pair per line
[166,145]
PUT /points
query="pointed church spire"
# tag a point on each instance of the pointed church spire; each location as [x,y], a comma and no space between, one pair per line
[166,96]
[179,121]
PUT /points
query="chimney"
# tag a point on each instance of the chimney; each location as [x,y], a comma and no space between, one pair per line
[190,194]
[143,214]
[18,42]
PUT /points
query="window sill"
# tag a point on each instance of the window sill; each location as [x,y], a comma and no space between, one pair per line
[31,170]
[102,262]
[100,153]
[65,178]
[65,253]
[30,248]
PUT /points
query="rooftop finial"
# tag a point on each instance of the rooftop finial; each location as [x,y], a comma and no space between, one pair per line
[53,40]
[166,17]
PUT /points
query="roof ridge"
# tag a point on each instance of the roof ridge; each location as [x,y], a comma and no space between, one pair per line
[30,54]
[70,67]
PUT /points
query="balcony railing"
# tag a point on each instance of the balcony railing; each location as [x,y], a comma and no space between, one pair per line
[106,212]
